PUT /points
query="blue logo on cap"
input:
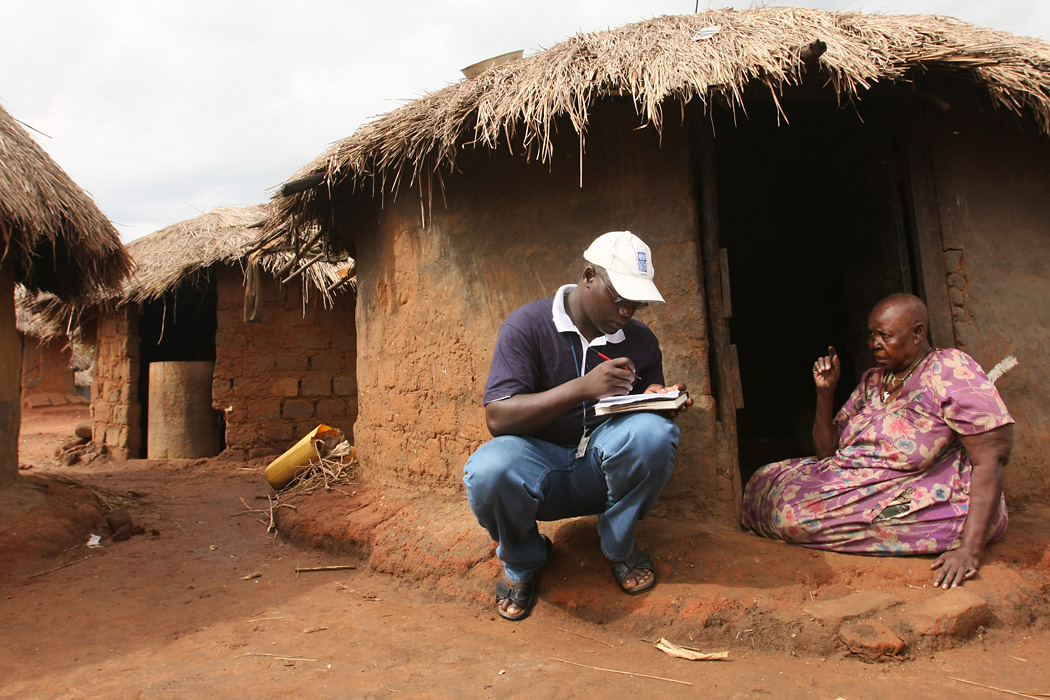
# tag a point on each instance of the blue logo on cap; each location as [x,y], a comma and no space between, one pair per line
[642,266]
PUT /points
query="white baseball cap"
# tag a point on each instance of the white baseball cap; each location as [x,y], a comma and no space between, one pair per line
[629,263]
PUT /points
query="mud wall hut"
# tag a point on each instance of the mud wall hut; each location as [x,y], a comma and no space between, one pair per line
[208,290]
[788,167]
[54,239]
[48,372]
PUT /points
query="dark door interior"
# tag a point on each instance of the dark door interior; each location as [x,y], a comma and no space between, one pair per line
[812,215]
[178,327]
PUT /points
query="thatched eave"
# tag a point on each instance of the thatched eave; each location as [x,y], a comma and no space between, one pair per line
[184,253]
[51,232]
[655,61]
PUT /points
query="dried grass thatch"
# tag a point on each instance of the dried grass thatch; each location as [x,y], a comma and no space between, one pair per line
[50,230]
[31,317]
[184,252]
[651,62]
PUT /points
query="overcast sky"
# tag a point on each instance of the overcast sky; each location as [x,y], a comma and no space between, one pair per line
[164,110]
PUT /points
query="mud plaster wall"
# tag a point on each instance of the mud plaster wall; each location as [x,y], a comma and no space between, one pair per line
[115,409]
[992,178]
[504,232]
[279,378]
[46,367]
[10,370]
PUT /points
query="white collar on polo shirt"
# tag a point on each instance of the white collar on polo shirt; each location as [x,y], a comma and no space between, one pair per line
[564,323]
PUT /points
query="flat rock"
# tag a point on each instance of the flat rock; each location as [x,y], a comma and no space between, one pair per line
[955,613]
[860,604]
[871,640]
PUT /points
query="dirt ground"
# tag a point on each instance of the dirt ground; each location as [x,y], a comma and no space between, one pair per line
[205,602]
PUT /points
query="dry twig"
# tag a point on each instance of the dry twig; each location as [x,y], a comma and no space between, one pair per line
[60,566]
[334,567]
[275,656]
[1001,690]
[585,636]
[625,673]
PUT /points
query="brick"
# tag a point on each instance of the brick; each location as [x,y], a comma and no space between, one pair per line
[871,640]
[328,363]
[112,436]
[258,409]
[100,412]
[835,612]
[286,387]
[330,410]
[297,409]
[316,386]
[344,386]
[37,401]
[280,433]
[126,415]
[266,451]
[955,613]
[313,338]
[291,362]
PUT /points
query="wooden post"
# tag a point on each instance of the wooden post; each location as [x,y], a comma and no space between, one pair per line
[929,244]
[10,378]
[722,349]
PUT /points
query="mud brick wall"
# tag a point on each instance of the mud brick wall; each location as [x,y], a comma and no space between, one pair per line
[46,368]
[278,378]
[115,410]
[992,176]
[505,233]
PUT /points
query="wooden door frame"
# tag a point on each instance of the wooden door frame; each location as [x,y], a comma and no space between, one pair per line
[928,243]
[726,382]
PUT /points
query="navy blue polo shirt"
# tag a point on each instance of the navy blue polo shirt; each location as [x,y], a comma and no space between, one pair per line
[538,348]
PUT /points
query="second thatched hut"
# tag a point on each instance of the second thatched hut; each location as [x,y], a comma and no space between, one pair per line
[269,361]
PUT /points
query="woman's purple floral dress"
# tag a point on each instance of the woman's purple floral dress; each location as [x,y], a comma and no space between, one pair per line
[899,482]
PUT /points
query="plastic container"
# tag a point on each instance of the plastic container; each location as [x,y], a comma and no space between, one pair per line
[283,470]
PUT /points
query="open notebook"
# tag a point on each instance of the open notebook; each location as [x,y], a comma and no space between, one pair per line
[641,402]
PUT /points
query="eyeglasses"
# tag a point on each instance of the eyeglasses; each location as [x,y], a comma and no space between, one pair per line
[619,300]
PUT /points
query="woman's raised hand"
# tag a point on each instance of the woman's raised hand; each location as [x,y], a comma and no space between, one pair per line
[826,371]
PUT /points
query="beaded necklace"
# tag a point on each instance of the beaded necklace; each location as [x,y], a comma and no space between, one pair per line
[890,382]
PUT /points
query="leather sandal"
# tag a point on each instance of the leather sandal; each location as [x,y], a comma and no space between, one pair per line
[524,595]
[622,569]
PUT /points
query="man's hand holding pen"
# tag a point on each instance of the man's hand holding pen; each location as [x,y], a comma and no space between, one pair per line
[622,369]
[617,376]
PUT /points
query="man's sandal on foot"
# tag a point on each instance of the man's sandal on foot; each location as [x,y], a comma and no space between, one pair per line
[523,595]
[623,569]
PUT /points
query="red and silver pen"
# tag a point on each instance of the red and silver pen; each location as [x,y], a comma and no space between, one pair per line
[609,359]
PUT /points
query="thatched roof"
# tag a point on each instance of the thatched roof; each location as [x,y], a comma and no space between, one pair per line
[184,251]
[654,61]
[39,314]
[50,230]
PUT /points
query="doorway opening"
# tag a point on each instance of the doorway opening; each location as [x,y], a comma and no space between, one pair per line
[177,327]
[814,218]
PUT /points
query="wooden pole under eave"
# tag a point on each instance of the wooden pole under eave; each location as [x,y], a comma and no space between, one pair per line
[725,382]
[10,378]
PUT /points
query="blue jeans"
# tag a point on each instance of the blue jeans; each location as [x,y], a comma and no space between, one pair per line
[514,481]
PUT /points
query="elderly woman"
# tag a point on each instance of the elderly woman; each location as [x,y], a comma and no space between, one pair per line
[912,464]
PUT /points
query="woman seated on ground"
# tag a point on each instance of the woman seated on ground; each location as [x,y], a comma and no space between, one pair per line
[912,463]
